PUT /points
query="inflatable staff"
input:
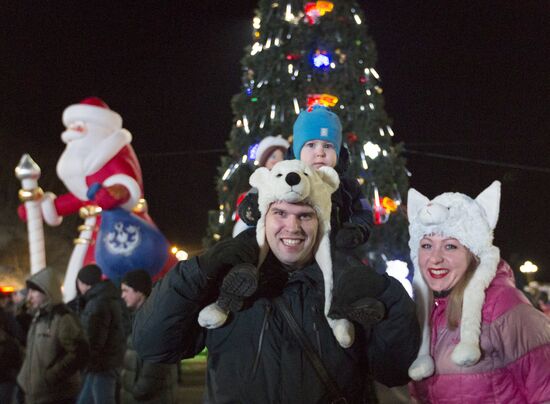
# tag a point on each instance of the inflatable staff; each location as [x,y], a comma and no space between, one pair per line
[30,194]
[102,174]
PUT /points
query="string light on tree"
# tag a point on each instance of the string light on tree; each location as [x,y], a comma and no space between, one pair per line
[296,105]
[371,150]
[356,17]
[293,56]
[379,212]
[341,56]
[314,10]
[252,150]
[291,18]
[256,23]
[327,100]
[352,137]
[321,59]
[389,204]
[256,48]
[374,73]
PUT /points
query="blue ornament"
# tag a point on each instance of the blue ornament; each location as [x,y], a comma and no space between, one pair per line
[252,150]
[321,59]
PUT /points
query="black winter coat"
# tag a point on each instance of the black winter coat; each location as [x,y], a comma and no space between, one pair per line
[103,322]
[12,341]
[254,357]
[146,382]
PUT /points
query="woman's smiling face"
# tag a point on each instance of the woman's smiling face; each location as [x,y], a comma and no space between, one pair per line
[443,261]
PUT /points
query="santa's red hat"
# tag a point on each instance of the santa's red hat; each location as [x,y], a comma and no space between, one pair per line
[92,109]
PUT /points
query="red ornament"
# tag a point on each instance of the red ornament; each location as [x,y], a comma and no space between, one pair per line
[352,137]
[363,79]
[293,56]
[314,10]
[327,100]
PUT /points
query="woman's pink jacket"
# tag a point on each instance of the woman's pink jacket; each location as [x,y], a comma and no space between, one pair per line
[515,345]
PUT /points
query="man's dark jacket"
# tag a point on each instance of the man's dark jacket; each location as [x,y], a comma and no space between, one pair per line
[254,357]
[102,320]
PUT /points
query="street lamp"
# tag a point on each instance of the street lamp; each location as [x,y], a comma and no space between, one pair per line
[529,269]
[181,255]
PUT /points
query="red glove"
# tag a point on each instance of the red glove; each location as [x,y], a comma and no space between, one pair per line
[112,196]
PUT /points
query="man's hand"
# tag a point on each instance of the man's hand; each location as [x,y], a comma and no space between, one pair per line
[217,260]
[350,235]
[356,289]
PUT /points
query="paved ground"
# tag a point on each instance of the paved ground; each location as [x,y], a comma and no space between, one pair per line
[192,386]
[192,382]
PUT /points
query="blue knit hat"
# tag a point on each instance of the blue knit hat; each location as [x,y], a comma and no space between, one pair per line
[316,124]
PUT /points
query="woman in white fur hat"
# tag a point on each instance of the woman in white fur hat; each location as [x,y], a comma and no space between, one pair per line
[482,340]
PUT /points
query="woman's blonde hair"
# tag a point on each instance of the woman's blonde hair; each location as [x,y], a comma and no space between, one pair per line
[456,297]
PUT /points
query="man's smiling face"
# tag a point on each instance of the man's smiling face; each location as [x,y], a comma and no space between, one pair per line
[291,231]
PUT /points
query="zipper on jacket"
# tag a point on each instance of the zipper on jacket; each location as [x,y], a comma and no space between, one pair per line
[316,329]
[265,326]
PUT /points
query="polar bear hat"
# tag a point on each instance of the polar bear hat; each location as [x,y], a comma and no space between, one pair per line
[293,181]
[471,222]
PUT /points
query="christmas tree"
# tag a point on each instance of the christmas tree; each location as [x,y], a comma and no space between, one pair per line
[316,52]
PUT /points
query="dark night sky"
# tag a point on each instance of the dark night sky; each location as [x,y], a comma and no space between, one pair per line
[466,79]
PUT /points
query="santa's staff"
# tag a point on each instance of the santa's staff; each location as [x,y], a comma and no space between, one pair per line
[89,214]
[28,172]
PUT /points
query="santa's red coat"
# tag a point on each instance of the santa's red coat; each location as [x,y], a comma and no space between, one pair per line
[123,169]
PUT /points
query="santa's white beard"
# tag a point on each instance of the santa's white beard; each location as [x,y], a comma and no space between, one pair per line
[71,166]
[78,160]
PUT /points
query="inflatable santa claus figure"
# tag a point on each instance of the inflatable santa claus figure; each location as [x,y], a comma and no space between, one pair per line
[102,174]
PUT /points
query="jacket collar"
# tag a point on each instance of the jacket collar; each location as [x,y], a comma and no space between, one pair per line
[273,274]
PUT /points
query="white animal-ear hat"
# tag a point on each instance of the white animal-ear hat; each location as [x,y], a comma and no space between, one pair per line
[471,222]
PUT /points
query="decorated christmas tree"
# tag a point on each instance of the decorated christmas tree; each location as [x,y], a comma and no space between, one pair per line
[304,53]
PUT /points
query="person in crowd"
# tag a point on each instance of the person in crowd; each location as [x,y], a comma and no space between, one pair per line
[256,357]
[543,303]
[57,347]
[483,341]
[6,300]
[270,151]
[143,381]
[12,341]
[103,323]
[21,310]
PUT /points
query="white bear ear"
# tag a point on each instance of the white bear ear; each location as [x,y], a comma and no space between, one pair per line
[329,177]
[259,177]
[415,202]
[489,200]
